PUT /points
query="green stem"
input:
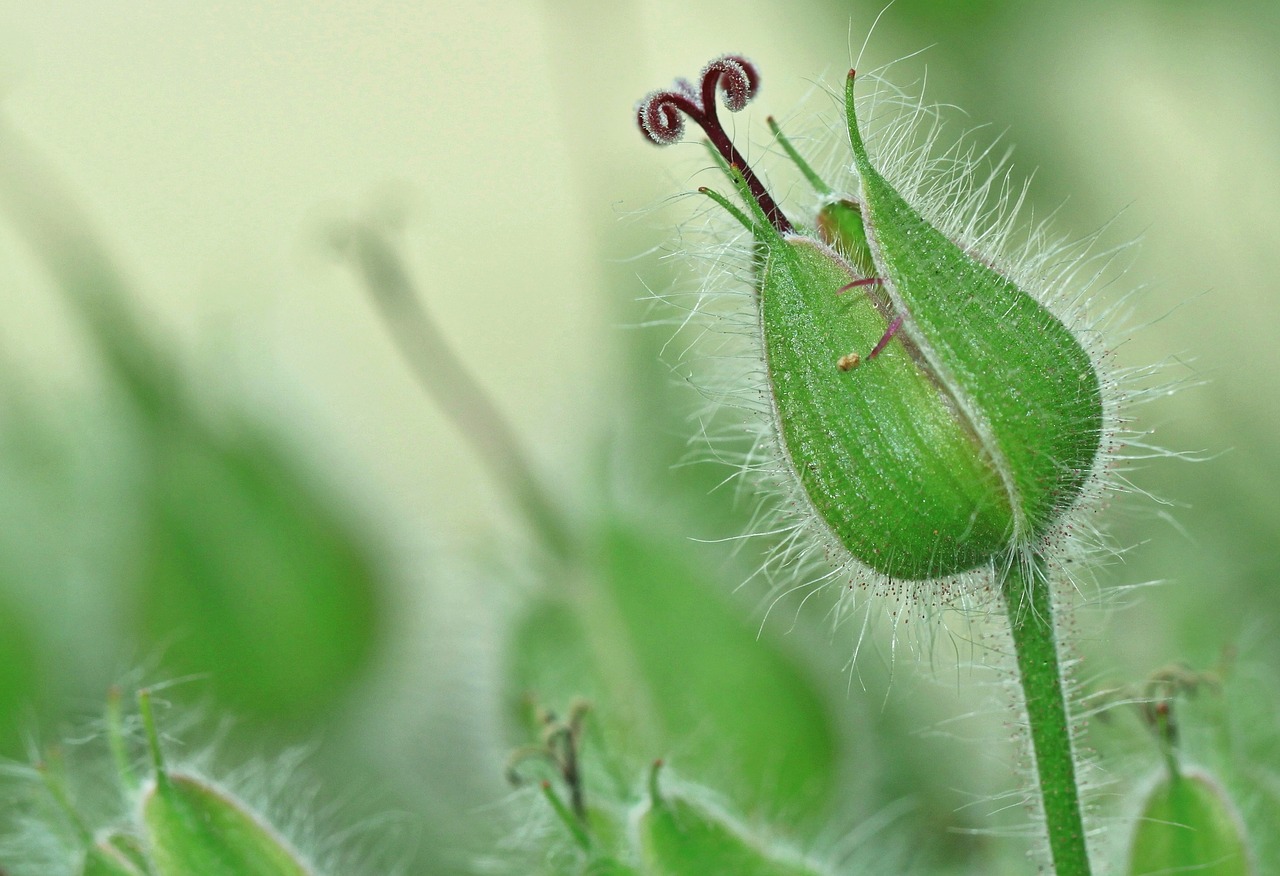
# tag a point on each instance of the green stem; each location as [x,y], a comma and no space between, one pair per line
[51,771]
[441,373]
[63,238]
[153,736]
[819,184]
[1029,605]
[116,740]
[574,823]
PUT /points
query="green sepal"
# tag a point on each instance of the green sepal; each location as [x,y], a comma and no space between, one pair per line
[890,468]
[1187,825]
[1019,378]
[194,827]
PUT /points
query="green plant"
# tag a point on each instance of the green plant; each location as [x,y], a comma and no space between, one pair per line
[931,418]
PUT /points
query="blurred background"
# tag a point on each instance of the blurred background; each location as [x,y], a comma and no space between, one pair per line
[214,462]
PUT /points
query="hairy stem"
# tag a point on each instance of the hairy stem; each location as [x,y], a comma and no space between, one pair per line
[1029,605]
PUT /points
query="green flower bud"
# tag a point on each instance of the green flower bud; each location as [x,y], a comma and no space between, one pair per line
[682,835]
[934,414]
[1187,824]
[193,826]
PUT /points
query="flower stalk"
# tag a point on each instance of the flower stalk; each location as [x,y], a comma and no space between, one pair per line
[1028,601]
[444,377]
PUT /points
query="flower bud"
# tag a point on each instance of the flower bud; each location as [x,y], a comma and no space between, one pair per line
[1188,824]
[193,826]
[681,835]
[934,414]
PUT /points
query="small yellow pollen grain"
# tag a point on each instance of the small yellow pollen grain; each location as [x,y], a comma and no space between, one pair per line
[848,361]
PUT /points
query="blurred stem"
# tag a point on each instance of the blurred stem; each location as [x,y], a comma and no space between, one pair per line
[116,740]
[447,381]
[1029,605]
[575,823]
[153,736]
[51,772]
[63,238]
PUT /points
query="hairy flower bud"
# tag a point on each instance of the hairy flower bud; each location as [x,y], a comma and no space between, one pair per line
[936,416]
[194,826]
